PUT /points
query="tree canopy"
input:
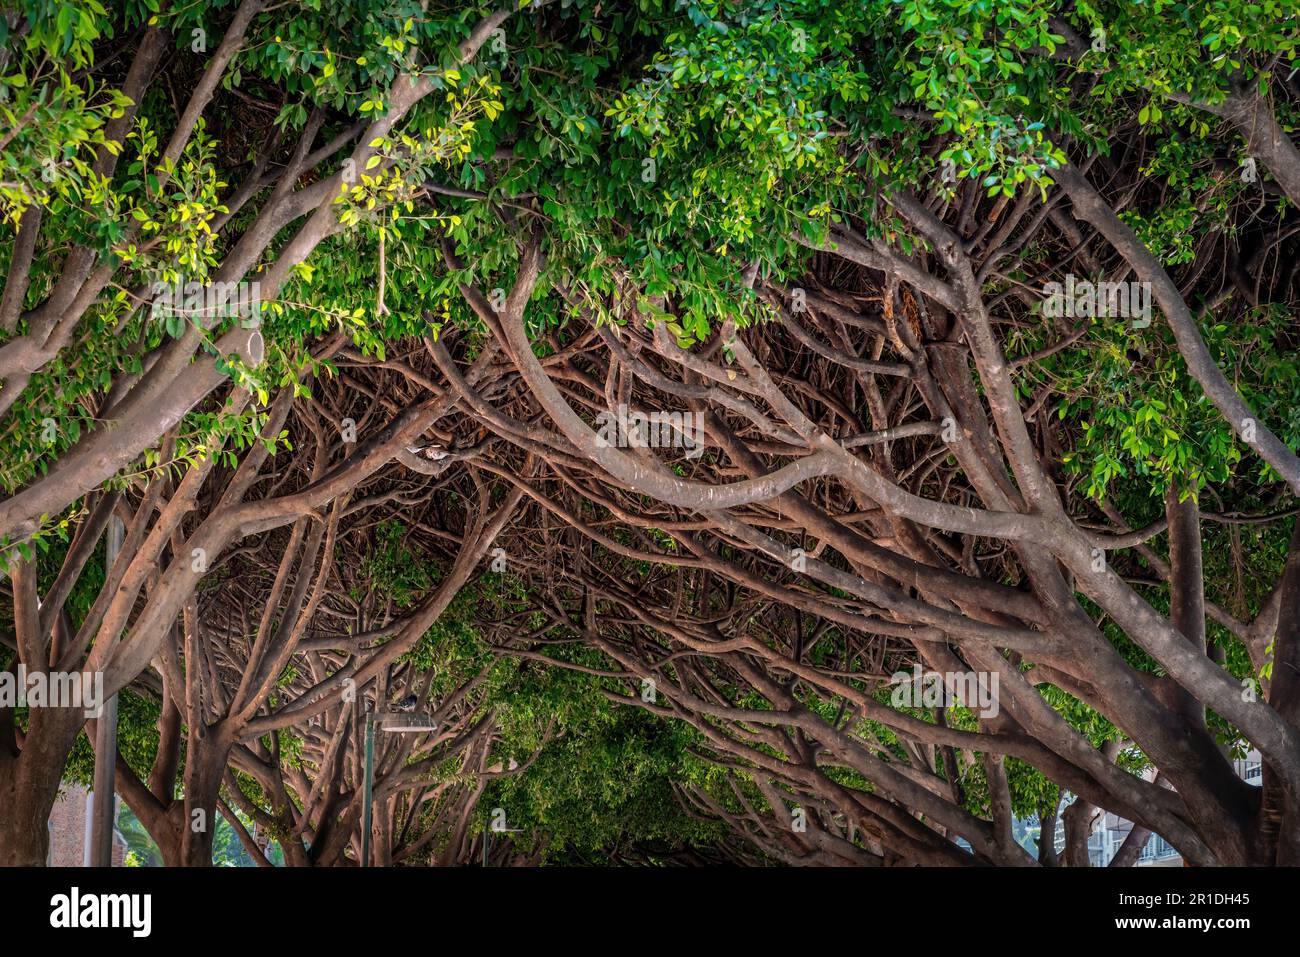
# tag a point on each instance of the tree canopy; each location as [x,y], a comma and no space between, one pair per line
[644,399]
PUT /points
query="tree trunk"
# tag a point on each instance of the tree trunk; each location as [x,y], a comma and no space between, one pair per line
[24,837]
[207,754]
[29,784]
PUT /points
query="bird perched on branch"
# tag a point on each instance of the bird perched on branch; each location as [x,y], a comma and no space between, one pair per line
[433,452]
[430,458]
[407,704]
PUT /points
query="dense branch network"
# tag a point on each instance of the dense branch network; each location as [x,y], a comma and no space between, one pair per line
[665,472]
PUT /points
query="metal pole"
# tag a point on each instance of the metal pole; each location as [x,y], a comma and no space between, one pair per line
[370,789]
[85,835]
[101,834]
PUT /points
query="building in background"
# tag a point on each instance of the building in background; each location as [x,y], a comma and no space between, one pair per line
[69,826]
[1110,833]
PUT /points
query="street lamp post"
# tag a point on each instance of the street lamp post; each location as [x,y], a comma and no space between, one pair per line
[102,806]
[367,806]
[370,788]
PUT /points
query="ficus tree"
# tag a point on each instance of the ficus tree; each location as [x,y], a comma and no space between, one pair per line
[967,332]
